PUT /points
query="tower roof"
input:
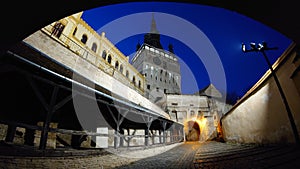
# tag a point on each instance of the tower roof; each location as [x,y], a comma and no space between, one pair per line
[153,37]
[210,90]
[153,25]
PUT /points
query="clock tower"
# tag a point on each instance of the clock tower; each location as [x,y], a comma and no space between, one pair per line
[160,67]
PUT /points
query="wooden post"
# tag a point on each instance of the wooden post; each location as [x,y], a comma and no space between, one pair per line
[159,131]
[50,112]
[10,134]
[116,139]
[122,137]
[147,136]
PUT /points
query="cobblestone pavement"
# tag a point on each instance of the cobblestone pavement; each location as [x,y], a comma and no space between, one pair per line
[217,155]
[221,155]
[178,157]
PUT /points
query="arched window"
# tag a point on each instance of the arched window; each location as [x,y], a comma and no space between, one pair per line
[104,55]
[140,84]
[109,59]
[127,73]
[121,68]
[94,47]
[117,65]
[57,29]
[133,80]
[84,38]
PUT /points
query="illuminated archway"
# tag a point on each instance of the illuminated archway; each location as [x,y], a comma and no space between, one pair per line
[192,131]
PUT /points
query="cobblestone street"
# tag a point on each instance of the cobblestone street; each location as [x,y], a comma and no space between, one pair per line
[222,155]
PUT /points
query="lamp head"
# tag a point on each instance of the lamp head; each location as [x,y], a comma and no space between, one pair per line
[253,46]
[243,47]
[262,46]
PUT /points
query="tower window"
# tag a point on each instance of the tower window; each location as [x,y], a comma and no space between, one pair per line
[148,87]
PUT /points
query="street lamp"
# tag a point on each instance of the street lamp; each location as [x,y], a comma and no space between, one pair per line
[262,47]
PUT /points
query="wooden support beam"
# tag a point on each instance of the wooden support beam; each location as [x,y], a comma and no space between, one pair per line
[44,134]
[10,134]
[164,125]
[122,138]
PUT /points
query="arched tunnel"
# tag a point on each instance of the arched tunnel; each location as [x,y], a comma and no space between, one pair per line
[192,131]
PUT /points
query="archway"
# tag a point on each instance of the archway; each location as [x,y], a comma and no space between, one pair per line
[192,131]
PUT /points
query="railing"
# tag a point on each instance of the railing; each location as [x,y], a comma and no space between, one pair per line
[127,138]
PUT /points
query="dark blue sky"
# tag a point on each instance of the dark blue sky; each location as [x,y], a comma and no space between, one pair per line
[224,29]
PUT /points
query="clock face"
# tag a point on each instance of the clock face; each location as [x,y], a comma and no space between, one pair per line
[156,60]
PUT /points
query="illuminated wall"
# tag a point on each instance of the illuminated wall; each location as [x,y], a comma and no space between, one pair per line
[260,116]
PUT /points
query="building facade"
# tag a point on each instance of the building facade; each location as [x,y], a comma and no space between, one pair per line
[78,36]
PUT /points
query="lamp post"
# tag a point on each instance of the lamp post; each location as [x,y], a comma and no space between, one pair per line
[262,47]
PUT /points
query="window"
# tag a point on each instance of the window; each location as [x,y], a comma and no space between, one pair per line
[57,29]
[84,38]
[121,68]
[139,84]
[192,113]
[94,47]
[117,65]
[148,87]
[109,59]
[133,80]
[152,69]
[74,32]
[127,73]
[104,55]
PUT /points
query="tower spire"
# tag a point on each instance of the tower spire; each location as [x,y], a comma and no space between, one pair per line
[153,37]
[153,25]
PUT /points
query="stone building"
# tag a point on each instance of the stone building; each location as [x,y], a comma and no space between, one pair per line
[200,113]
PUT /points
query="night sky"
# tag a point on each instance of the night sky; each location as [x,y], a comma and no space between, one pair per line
[206,39]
